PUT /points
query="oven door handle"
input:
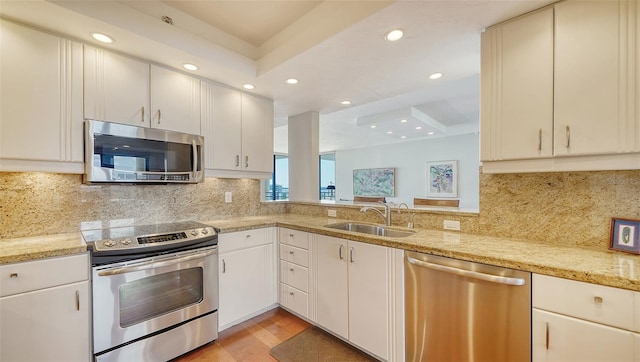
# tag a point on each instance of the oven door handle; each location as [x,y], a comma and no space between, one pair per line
[154,264]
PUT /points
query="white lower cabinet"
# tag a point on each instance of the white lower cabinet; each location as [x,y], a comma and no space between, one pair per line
[577,321]
[357,289]
[247,276]
[44,309]
[294,271]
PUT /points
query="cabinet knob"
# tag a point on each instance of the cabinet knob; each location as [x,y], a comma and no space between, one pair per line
[598,299]
[291,252]
[291,293]
[290,269]
[290,235]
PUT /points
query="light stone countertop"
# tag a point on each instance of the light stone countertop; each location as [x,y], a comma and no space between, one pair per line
[598,266]
[38,247]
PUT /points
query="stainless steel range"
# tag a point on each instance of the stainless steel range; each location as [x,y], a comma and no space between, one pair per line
[155,290]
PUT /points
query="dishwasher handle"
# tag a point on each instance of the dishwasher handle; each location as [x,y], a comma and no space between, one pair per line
[467,273]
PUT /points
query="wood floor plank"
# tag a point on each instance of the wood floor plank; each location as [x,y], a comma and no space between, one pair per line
[250,341]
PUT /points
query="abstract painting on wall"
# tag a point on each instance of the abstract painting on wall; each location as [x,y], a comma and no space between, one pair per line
[442,179]
[374,182]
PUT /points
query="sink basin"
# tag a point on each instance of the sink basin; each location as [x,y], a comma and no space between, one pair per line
[371,229]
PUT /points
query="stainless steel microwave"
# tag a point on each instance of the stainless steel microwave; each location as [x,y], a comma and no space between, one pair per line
[122,153]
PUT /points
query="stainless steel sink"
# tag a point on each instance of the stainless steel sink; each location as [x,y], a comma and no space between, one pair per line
[371,229]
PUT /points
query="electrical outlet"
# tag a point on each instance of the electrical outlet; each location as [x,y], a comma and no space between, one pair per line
[228,197]
[332,213]
[451,225]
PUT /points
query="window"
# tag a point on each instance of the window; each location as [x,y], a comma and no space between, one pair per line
[327,176]
[277,187]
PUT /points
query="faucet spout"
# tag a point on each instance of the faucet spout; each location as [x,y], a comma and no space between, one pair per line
[386,215]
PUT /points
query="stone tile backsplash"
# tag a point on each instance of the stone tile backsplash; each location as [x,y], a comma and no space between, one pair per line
[573,208]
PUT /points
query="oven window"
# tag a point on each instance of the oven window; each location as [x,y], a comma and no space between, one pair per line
[153,296]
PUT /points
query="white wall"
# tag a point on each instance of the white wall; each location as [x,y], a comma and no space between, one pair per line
[410,162]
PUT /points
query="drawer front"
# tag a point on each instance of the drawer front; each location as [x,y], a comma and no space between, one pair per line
[294,299]
[242,240]
[44,273]
[592,302]
[295,238]
[294,255]
[294,275]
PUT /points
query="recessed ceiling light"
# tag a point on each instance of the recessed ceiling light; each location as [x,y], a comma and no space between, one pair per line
[346,102]
[403,137]
[103,38]
[389,132]
[430,133]
[248,86]
[292,81]
[373,126]
[394,35]
[403,121]
[435,76]
[189,66]
[419,127]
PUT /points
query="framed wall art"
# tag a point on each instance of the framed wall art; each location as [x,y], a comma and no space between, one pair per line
[374,182]
[442,179]
[625,235]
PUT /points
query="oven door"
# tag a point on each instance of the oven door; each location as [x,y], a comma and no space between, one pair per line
[136,298]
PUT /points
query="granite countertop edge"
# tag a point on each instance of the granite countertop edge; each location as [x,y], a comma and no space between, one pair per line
[584,264]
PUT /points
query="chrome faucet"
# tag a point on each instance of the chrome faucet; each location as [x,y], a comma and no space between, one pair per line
[410,223]
[386,215]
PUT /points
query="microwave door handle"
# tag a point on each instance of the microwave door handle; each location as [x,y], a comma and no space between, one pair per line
[153,264]
[194,149]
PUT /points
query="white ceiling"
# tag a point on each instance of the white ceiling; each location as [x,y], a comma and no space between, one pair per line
[334,48]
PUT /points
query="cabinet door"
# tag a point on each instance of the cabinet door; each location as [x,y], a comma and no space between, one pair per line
[517,88]
[116,88]
[175,101]
[245,278]
[560,338]
[40,94]
[45,324]
[369,297]
[596,77]
[332,303]
[257,134]
[222,127]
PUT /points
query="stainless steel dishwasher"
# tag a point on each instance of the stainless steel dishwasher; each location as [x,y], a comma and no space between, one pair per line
[462,311]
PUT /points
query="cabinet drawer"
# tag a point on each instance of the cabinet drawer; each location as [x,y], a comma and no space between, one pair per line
[294,255]
[45,273]
[242,240]
[296,238]
[294,299]
[592,302]
[294,275]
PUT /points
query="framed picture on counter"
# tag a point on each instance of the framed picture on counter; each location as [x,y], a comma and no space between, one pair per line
[625,235]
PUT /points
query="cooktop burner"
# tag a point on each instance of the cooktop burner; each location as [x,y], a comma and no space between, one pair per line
[146,238]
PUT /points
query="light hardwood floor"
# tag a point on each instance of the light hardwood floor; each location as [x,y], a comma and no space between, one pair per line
[251,340]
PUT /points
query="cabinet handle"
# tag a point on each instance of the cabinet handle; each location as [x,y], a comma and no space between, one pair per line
[77,300]
[159,116]
[13,275]
[540,139]
[237,160]
[224,266]
[291,294]
[351,254]
[598,299]
[246,161]
[547,336]
[291,252]
[248,236]
[142,118]
[291,269]
[340,251]
[568,136]
[290,235]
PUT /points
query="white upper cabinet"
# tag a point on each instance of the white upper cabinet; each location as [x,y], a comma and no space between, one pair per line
[175,101]
[116,88]
[125,90]
[238,132]
[517,88]
[41,97]
[560,89]
[596,77]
